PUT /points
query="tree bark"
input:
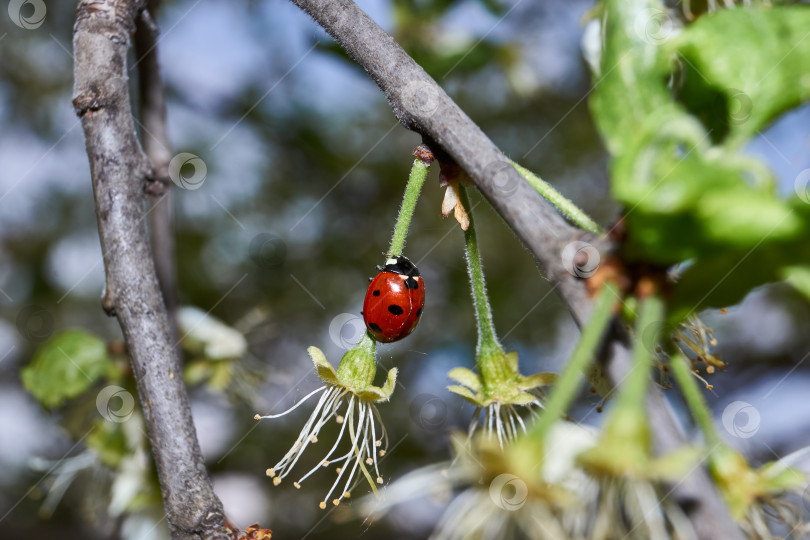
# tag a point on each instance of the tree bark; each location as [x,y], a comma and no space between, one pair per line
[120,173]
[156,145]
[421,105]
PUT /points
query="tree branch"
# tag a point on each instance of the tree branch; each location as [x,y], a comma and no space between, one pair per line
[421,105]
[120,171]
[157,147]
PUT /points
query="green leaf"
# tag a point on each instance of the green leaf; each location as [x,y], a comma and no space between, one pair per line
[743,218]
[725,277]
[799,278]
[109,441]
[65,366]
[631,88]
[686,195]
[743,67]
[467,377]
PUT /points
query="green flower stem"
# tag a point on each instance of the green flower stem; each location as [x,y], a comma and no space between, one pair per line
[565,206]
[626,438]
[567,384]
[647,332]
[489,354]
[679,365]
[358,366]
[415,181]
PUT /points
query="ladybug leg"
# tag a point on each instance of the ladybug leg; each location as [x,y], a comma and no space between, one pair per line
[380,268]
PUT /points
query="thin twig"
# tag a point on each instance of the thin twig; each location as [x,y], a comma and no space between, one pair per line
[156,145]
[120,171]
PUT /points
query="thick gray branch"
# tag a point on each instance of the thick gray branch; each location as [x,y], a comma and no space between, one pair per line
[120,171]
[421,105]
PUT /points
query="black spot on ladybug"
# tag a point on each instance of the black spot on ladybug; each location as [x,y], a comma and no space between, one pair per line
[419,312]
[375,327]
[395,309]
[376,293]
[411,283]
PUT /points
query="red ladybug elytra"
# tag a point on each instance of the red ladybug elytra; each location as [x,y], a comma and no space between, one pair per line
[394,300]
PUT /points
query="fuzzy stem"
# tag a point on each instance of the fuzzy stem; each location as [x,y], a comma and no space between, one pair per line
[679,365]
[647,331]
[489,354]
[415,180]
[565,389]
[565,206]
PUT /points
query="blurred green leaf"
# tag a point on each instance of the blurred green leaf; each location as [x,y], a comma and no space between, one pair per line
[687,198]
[109,441]
[630,97]
[743,67]
[799,278]
[65,366]
[724,277]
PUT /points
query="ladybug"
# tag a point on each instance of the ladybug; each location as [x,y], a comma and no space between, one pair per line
[394,300]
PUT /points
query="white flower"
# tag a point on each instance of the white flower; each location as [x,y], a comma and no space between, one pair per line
[503,492]
[348,398]
[502,399]
[217,340]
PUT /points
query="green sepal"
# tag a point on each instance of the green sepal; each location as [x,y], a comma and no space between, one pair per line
[538,380]
[467,377]
[325,370]
[675,465]
[523,398]
[467,394]
[377,394]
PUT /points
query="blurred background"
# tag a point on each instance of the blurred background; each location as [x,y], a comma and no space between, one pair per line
[305,168]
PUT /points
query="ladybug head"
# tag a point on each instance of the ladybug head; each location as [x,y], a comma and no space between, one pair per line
[401,265]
